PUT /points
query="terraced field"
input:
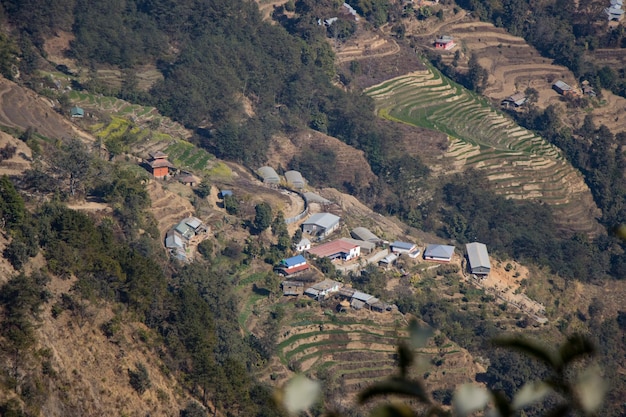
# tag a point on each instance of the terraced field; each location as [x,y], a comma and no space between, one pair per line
[520,164]
[349,351]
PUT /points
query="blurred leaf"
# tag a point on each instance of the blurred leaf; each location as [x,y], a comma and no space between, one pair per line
[299,394]
[530,393]
[469,398]
[530,348]
[591,389]
[502,408]
[392,410]
[405,358]
[576,346]
[397,386]
[419,335]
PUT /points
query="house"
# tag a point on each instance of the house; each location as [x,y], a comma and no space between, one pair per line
[588,90]
[184,230]
[402,247]
[195,224]
[478,258]
[268,175]
[515,100]
[445,42]
[615,12]
[388,260]
[362,233]
[224,193]
[292,287]
[159,165]
[294,179]
[292,265]
[562,88]
[366,247]
[321,224]
[174,240]
[439,253]
[322,289]
[77,112]
[304,244]
[337,249]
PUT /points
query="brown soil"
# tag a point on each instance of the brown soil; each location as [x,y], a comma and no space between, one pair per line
[20,162]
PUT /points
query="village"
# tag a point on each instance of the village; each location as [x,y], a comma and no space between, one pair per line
[349,255]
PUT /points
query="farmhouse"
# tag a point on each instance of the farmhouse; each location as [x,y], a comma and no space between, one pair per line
[322,289]
[189,179]
[445,42]
[388,260]
[292,265]
[515,100]
[292,287]
[562,88]
[321,224]
[366,247]
[177,239]
[159,165]
[478,258]
[439,253]
[174,240]
[294,179]
[402,247]
[337,249]
[304,244]
[224,193]
[615,12]
[362,233]
[268,175]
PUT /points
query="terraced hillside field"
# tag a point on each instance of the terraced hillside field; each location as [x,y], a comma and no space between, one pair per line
[351,350]
[520,164]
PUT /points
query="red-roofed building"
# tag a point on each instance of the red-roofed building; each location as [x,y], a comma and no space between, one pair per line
[159,165]
[337,249]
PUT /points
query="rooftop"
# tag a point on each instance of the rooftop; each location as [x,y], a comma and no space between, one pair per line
[332,248]
[324,220]
[477,254]
[403,245]
[294,260]
[439,251]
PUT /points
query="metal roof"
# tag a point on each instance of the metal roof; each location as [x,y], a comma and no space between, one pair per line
[439,251]
[332,248]
[324,220]
[477,255]
[174,240]
[193,222]
[403,245]
[362,233]
[314,198]
[368,246]
[562,85]
[358,295]
[293,261]
[389,258]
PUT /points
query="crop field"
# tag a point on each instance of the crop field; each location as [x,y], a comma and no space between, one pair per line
[520,164]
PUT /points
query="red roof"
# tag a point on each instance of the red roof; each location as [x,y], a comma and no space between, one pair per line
[332,248]
[295,269]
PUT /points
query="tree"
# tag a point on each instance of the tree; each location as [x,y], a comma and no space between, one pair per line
[72,160]
[12,210]
[203,190]
[139,378]
[262,218]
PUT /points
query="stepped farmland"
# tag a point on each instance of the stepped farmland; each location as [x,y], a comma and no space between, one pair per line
[520,164]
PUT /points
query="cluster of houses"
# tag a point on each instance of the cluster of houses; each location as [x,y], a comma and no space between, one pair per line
[190,230]
[567,90]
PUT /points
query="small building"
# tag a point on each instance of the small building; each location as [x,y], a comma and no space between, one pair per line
[388,260]
[224,193]
[350,11]
[361,296]
[189,179]
[184,230]
[195,224]
[439,253]
[269,175]
[478,258]
[357,304]
[402,247]
[346,292]
[615,12]
[294,179]
[588,90]
[77,112]
[174,240]
[159,165]
[321,224]
[366,247]
[303,245]
[292,288]
[445,42]
[362,233]
[324,288]
[515,100]
[337,249]
[562,88]
[293,265]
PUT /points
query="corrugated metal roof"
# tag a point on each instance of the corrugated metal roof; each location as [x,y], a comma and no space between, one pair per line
[439,251]
[294,178]
[193,222]
[478,255]
[402,245]
[362,233]
[332,248]
[268,174]
[368,246]
[324,220]
[293,261]
[358,295]
[562,85]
